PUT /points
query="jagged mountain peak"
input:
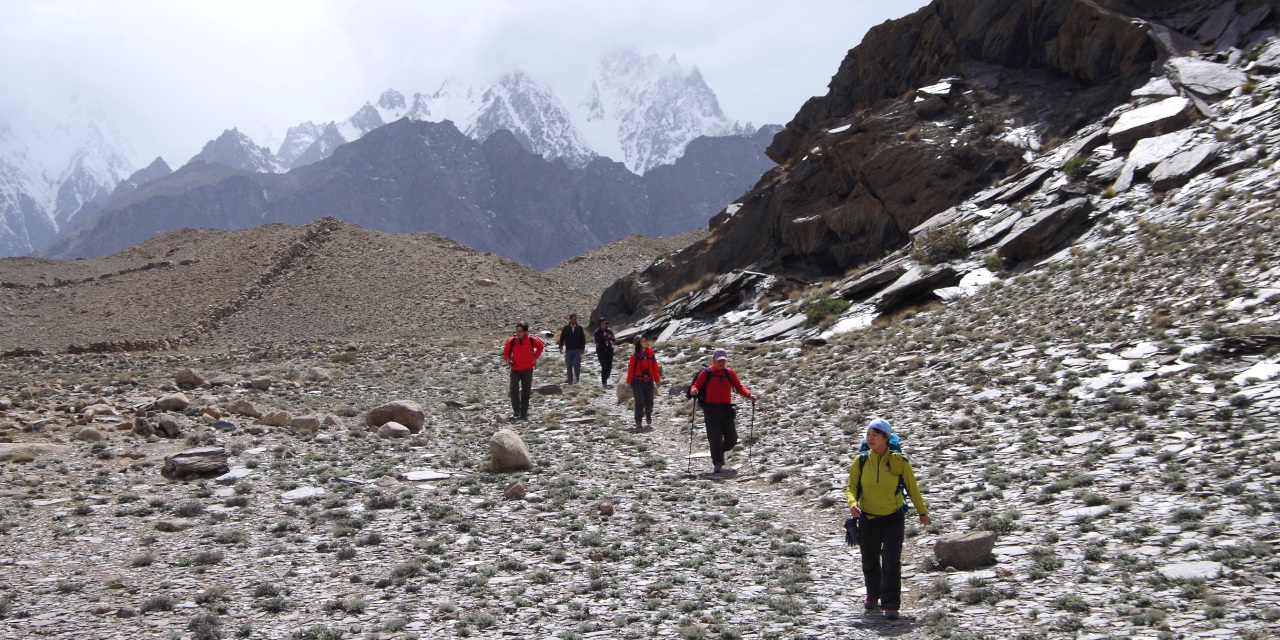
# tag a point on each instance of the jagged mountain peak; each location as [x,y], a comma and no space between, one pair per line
[640,109]
[238,151]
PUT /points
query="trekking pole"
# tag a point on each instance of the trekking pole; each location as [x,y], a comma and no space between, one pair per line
[751,437]
[693,420]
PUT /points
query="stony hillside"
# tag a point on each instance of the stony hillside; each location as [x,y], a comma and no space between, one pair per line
[593,271]
[1082,358]
[327,281]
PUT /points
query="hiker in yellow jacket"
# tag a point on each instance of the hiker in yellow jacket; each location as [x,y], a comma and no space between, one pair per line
[877,479]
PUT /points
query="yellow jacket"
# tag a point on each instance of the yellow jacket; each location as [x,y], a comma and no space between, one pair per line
[880,475]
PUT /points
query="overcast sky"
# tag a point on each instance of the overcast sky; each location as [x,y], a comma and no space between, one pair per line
[182,71]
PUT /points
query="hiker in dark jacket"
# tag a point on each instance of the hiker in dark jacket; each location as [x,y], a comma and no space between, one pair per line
[521,352]
[604,350]
[875,494]
[572,342]
[643,374]
[718,411]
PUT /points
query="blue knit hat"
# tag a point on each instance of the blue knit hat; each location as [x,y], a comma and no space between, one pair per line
[881,425]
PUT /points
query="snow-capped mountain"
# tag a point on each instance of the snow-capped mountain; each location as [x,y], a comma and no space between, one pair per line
[50,178]
[238,151]
[644,110]
[640,110]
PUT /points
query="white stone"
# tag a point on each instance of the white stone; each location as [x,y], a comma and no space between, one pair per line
[302,492]
[1189,570]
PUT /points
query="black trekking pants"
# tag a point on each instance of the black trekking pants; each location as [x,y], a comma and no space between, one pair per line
[643,392]
[722,434]
[880,540]
[521,387]
[606,366]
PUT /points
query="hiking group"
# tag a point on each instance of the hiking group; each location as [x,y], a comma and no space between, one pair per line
[714,385]
[881,478]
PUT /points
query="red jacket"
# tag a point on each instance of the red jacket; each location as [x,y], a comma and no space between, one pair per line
[522,354]
[719,386]
[644,366]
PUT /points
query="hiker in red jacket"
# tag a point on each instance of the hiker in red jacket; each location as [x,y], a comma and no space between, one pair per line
[521,352]
[643,374]
[718,411]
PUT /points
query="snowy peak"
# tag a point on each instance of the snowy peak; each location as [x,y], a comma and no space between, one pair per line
[642,110]
[536,117]
[238,151]
[296,142]
[651,108]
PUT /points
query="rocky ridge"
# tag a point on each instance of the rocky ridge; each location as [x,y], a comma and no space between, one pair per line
[972,91]
[327,281]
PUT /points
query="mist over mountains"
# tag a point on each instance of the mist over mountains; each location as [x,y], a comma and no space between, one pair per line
[641,111]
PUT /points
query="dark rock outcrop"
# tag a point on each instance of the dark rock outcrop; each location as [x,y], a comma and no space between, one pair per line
[869,161]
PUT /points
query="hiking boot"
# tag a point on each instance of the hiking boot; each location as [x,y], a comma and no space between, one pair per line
[718,468]
[890,614]
[871,604]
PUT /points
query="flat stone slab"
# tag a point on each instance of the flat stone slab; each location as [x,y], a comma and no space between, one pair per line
[52,501]
[233,475]
[425,474]
[302,492]
[1082,512]
[1179,168]
[1170,114]
[1205,77]
[1204,569]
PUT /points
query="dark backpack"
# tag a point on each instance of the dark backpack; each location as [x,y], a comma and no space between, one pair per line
[702,391]
[895,446]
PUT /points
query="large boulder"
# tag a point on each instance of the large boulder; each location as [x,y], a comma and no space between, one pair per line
[188,379]
[173,402]
[965,551]
[205,462]
[507,452]
[406,412]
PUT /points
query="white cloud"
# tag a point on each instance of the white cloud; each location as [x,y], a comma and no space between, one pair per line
[184,71]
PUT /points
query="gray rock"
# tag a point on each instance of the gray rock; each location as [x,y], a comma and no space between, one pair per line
[306,424]
[1203,569]
[243,407]
[233,476]
[224,425]
[914,283]
[1217,22]
[317,374]
[1204,77]
[188,379]
[168,426]
[1181,167]
[276,418]
[623,391]
[1157,87]
[261,383]
[507,452]
[1036,235]
[302,493]
[965,551]
[1269,57]
[173,402]
[1170,114]
[406,412]
[514,491]
[89,434]
[393,429]
[549,390]
[142,427]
